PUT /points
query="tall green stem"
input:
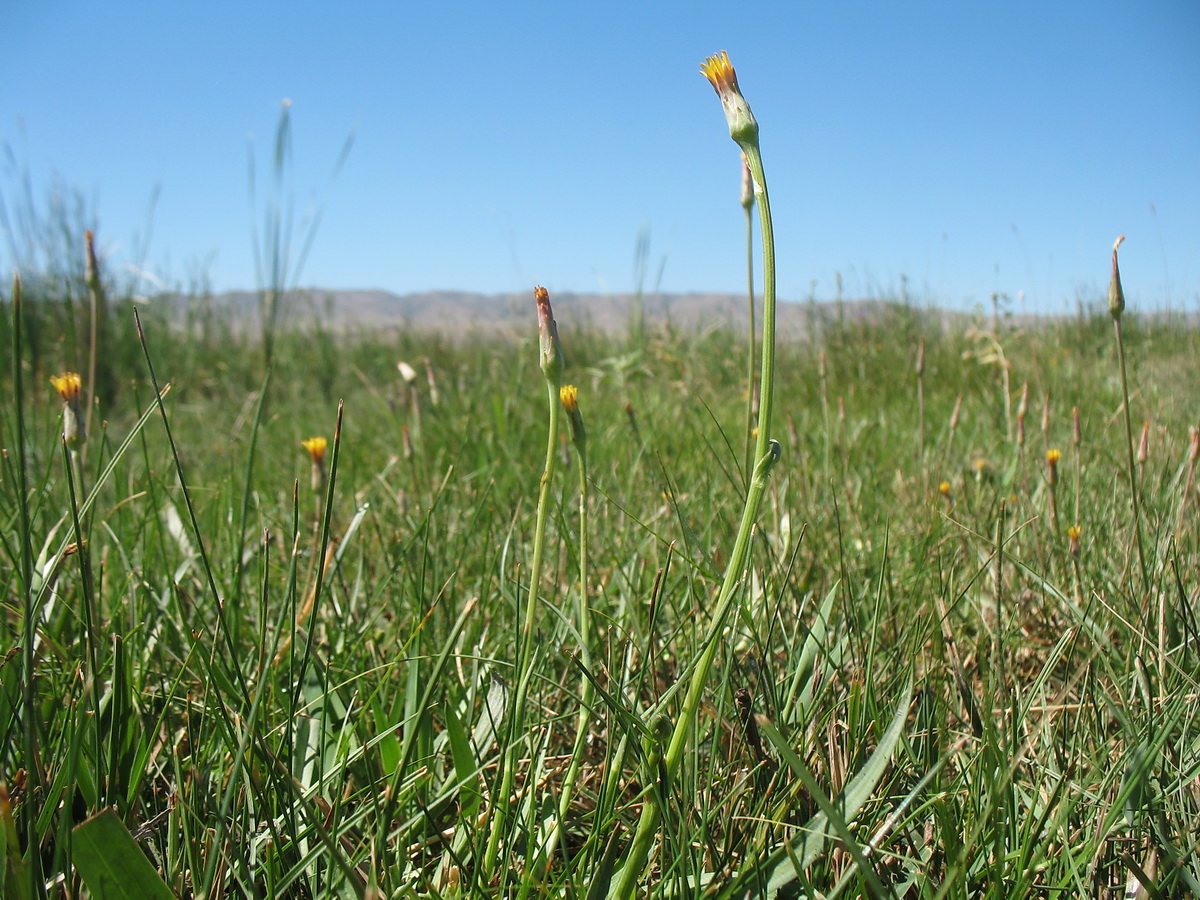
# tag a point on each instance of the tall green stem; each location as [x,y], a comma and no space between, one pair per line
[516,726]
[1133,482]
[744,130]
[1116,308]
[586,689]
[751,359]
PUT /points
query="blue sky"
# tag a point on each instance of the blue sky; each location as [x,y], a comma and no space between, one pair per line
[965,147]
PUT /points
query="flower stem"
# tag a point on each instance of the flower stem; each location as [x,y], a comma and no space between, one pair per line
[516,725]
[1133,481]
[751,360]
[586,690]
[766,453]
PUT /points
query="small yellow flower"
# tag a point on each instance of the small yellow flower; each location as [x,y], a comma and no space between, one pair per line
[1073,536]
[944,489]
[720,74]
[1053,455]
[316,451]
[569,395]
[316,448]
[570,401]
[68,385]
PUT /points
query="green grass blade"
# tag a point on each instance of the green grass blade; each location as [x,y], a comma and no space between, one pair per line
[111,863]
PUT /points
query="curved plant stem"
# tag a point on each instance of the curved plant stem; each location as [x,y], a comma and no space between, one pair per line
[766,453]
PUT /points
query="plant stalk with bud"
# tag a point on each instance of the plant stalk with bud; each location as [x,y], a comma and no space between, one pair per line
[744,130]
[551,358]
[1053,455]
[569,395]
[1116,308]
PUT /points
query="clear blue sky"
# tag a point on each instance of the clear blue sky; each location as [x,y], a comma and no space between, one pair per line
[971,147]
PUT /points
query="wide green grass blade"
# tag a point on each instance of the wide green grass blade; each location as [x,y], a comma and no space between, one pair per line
[111,863]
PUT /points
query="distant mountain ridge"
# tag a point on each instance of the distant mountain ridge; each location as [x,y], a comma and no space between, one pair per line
[467,314]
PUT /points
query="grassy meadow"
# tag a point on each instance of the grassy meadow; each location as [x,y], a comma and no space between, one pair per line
[285,684]
[305,614]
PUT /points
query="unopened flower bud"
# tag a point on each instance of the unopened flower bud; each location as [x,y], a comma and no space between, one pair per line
[747,185]
[407,372]
[551,350]
[434,397]
[1116,296]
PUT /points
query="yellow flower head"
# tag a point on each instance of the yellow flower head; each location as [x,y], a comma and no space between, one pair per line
[1053,455]
[944,489]
[720,74]
[1073,536]
[68,385]
[316,448]
[570,401]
